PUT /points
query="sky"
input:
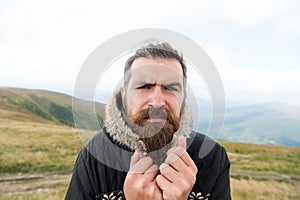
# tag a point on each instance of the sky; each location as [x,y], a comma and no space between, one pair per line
[254,45]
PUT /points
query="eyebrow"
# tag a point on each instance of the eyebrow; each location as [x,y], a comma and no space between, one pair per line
[172,84]
[175,84]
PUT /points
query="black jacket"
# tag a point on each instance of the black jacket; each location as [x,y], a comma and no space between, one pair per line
[102,165]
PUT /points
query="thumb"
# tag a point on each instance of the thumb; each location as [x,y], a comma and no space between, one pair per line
[135,157]
[181,142]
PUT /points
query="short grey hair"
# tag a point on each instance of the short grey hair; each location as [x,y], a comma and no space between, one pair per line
[155,50]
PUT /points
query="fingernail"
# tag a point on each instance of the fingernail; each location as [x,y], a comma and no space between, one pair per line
[163,165]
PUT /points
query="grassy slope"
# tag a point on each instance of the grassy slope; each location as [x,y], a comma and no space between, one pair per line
[32,145]
[38,147]
[264,172]
[51,106]
[267,160]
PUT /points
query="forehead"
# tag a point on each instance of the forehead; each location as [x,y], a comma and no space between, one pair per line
[171,64]
[160,71]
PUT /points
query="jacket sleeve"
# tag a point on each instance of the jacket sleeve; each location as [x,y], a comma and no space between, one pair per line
[221,189]
[80,186]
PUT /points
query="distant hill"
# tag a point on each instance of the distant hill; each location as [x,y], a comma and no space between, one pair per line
[40,105]
[263,124]
[268,123]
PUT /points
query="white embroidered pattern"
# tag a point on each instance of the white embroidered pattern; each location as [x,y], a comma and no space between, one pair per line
[117,195]
[198,195]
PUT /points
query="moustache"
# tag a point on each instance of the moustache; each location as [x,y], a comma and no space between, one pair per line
[152,113]
[143,116]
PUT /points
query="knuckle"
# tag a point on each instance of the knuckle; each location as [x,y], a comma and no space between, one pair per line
[164,169]
[193,180]
[170,151]
[143,183]
[181,193]
[149,159]
[129,179]
[180,150]
[178,192]
[149,191]
[194,170]
[185,186]
[172,157]
[158,179]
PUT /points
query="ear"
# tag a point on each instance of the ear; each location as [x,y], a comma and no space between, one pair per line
[184,98]
[183,103]
[123,95]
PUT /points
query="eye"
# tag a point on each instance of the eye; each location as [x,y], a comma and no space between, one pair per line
[170,88]
[145,86]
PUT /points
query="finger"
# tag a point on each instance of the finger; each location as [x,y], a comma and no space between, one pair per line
[158,194]
[151,172]
[181,142]
[163,183]
[152,190]
[168,172]
[135,157]
[177,163]
[179,151]
[141,166]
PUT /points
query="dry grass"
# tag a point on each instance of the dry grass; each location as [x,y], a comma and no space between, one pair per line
[29,145]
[47,194]
[264,190]
[41,187]
[264,159]
[54,188]
[33,147]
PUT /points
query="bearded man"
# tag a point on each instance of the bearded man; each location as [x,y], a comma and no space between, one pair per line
[149,118]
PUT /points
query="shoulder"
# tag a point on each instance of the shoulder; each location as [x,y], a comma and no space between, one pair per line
[211,160]
[206,151]
[198,142]
[103,149]
[101,140]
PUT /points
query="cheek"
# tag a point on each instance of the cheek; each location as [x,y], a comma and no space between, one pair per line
[175,103]
[134,103]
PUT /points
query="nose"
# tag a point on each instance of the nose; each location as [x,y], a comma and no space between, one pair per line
[156,98]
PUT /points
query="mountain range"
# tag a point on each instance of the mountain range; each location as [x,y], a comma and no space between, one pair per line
[268,123]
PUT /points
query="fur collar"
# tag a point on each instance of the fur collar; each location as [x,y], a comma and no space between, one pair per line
[121,133]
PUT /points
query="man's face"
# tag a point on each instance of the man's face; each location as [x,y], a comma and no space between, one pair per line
[154,83]
[153,100]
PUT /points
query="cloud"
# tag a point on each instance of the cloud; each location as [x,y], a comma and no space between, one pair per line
[249,13]
[253,85]
[221,56]
[288,27]
[44,43]
[243,14]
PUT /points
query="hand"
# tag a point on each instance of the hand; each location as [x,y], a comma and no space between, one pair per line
[178,173]
[140,181]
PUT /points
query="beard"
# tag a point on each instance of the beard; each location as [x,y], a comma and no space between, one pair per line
[155,135]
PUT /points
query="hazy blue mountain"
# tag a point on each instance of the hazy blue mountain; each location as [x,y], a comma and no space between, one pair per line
[263,124]
[268,123]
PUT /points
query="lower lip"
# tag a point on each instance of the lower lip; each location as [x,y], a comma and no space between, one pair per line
[156,119]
